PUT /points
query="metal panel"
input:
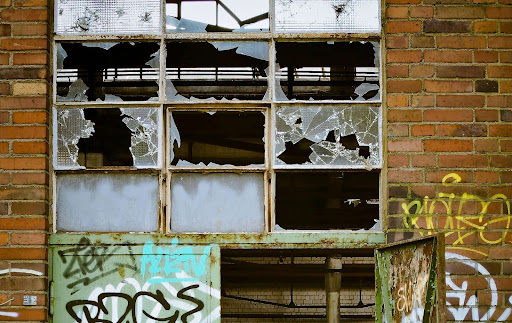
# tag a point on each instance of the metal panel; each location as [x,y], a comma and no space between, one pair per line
[409,280]
[135,283]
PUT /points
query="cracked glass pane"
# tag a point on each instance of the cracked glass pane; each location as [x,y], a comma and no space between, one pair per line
[216,70]
[217,138]
[85,202]
[107,17]
[327,71]
[327,200]
[192,16]
[107,72]
[328,135]
[218,202]
[323,16]
[99,137]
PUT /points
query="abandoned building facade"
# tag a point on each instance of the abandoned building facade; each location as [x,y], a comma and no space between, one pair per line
[255,161]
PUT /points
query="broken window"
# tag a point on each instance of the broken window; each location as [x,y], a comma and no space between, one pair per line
[327,71]
[100,137]
[191,16]
[216,70]
[108,72]
[217,202]
[327,200]
[107,17]
[107,202]
[213,138]
[328,135]
[327,16]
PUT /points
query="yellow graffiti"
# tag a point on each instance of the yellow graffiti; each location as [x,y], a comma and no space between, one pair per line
[457,223]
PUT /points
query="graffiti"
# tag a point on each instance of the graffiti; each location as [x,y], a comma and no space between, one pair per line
[16,270]
[173,260]
[457,222]
[464,303]
[87,263]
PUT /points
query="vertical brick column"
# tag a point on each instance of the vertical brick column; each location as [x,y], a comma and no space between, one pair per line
[24,144]
[449,99]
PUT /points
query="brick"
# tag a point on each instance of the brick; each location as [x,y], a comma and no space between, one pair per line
[409,56]
[500,71]
[486,86]
[485,27]
[500,253]
[486,56]
[486,115]
[30,208]
[31,314]
[404,1]
[398,130]
[22,73]
[397,101]
[397,12]
[506,56]
[461,42]
[5,89]
[23,224]
[24,132]
[506,27]
[30,117]
[422,12]
[423,160]
[398,161]
[462,130]
[422,42]
[465,71]
[4,117]
[397,71]
[30,147]
[422,130]
[5,30]
[500,130]
[30,3]
[501,161]
[448,56]
[22,103]
[422,71]
[5,3]
[30,178]
[395,27]
[448,115]
[397,42]
[404,86]
[28,238]
[404,176]
[448,86]
[462,161]
[444,26]
[499,12]
[22,283]
[422,101]
[23,163]
[29,29]
[505,146]
[437,176]
[4,59]
[23,43]
[486,177]
[470,101]
[448,145]
[404,115]
[4,147]
[499,101]
[446,1]
[506,115]
[459,12]
[500,42]
[30,58]
[404,145]
[505,86]
[28,88]
[24,15]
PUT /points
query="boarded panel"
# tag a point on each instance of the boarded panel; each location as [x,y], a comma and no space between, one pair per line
[407,280]
[167,282]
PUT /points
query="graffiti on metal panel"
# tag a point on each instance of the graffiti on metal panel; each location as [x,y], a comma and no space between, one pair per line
[172,260]
[459,224]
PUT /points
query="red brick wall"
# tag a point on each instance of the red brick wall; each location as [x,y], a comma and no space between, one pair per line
[449,93]
[24,136]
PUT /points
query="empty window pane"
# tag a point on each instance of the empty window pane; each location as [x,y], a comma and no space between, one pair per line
[327,71]
[347,16]
[217,138]
[107,71]
[216,70]
[107,202]
[327,200]
[217,202]
[107,17]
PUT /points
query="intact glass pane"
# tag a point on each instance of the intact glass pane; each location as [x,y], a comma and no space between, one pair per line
[217,202]
[107,202]
[347,16]
[108,17]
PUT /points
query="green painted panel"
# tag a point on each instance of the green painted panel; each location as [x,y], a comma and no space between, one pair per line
[406,281]
[149,282]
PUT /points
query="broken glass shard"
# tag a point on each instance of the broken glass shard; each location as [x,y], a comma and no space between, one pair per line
[328,135]
[327,71]
[108,17]
[325,16]
[85,202]
[192,16]
[217,138]
[217,202]
[216,70]
[107,71]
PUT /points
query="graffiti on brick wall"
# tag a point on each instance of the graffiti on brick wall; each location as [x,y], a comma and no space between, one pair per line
[462,297]
[419,214]
[21,271]
[168,282]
